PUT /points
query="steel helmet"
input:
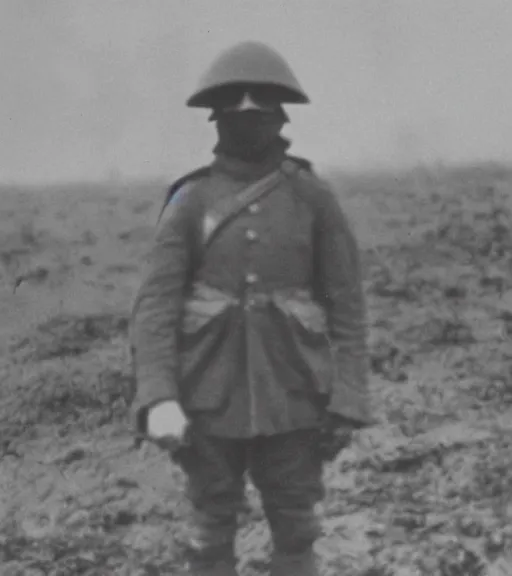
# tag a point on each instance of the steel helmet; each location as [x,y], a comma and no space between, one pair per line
[246,64]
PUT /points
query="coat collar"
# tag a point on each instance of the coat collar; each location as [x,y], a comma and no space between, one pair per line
[250,170]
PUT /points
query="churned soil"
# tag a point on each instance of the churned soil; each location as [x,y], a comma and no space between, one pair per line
[427,491]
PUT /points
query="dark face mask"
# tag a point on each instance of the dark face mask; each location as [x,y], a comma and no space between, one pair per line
[249,134]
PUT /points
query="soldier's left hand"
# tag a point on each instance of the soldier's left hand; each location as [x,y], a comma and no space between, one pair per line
[335,435]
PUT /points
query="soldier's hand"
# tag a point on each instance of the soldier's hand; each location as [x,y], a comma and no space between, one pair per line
[166,425]
[335,435]
[334,421]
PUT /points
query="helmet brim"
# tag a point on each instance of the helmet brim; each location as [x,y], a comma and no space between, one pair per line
[215,114]
[212,97]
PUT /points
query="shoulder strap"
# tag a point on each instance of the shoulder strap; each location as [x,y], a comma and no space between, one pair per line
[231,206]
[178,184]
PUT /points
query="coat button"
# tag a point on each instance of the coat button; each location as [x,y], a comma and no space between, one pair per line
[254,208]
[251,278]
[250,304]
[251,235]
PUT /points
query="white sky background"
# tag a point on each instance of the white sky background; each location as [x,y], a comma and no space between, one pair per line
[90,87]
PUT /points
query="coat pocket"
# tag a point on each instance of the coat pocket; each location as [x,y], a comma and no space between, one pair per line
[203,344]
[307,313]
[199,313]
[307,344]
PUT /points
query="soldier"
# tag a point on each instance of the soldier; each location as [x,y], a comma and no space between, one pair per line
[248,331]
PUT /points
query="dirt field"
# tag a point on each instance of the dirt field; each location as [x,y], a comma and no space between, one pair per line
[428,491]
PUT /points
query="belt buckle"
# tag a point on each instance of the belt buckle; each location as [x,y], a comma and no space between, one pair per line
[255,300]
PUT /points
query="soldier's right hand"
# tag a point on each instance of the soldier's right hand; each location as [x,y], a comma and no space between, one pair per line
[166,424]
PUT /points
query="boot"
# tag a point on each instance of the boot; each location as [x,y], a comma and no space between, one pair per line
[217,560]
[303,564]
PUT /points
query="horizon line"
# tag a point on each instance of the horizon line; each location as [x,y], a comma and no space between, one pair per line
[121,180]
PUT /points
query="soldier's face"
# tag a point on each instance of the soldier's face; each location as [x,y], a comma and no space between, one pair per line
[249,121]
[243,97]
[252,129]
[249,117]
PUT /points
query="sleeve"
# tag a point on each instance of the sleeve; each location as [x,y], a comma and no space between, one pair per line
[157,310]
[340,287]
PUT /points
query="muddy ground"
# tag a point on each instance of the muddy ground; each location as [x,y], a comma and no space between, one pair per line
[427,491]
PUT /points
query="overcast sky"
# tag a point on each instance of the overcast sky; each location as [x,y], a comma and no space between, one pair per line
[91,87]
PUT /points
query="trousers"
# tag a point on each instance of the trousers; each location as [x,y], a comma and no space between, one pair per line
[286,470]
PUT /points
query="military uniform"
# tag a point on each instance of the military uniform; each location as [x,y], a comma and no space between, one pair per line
[254,320]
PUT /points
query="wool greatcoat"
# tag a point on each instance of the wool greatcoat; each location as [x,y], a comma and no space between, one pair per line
[263,331]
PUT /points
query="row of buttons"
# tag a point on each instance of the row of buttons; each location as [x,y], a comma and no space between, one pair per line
[252,235]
